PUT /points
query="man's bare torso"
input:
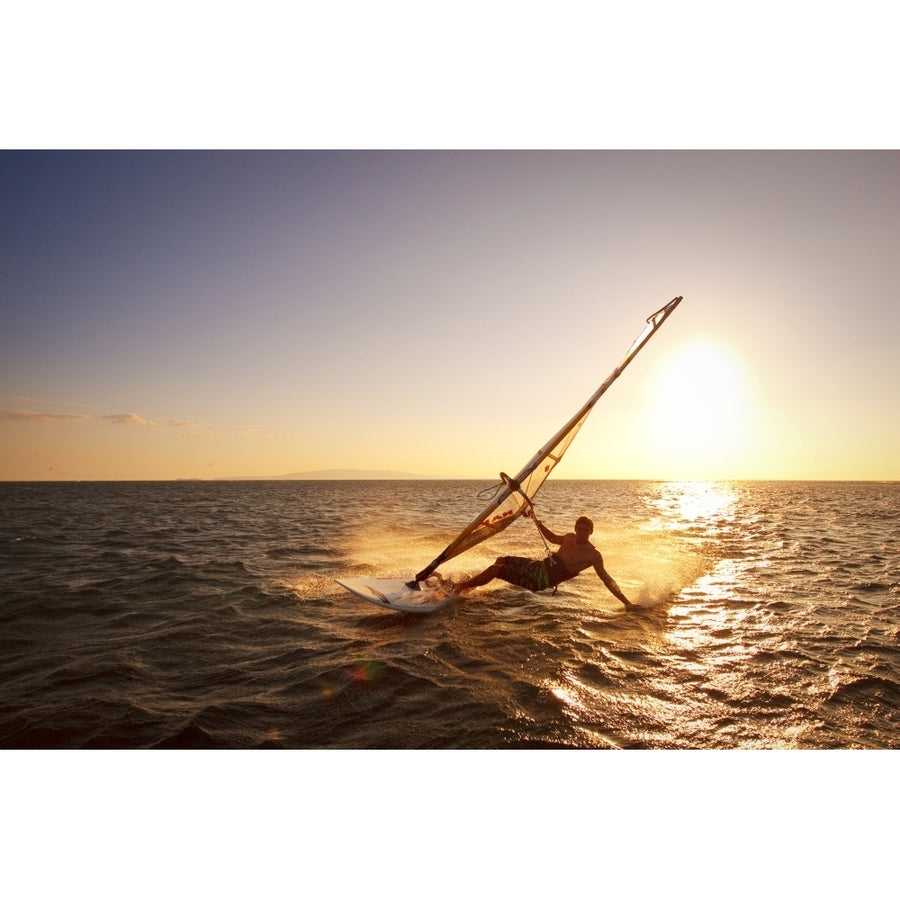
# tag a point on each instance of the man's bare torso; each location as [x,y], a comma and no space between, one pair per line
[576,556]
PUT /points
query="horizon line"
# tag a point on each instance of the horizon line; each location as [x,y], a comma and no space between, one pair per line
[400,476]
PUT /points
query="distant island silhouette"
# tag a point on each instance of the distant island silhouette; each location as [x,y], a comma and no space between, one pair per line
[346,475]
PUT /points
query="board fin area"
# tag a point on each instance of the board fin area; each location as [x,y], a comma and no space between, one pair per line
[397,595]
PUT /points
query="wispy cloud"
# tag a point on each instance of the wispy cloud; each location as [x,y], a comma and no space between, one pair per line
[32,416]
[28,415]
[42,402]
[191,426]
[182,423]
[126,419]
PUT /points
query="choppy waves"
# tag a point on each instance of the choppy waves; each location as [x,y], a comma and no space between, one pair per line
[205,615]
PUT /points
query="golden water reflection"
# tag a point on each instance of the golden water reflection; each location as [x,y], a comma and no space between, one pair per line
[681,504]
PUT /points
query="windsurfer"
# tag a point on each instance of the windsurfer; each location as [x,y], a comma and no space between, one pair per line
[575,553]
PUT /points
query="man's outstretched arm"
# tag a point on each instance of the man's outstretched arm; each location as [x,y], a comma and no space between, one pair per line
[551,536]
[547,533]
[610,583]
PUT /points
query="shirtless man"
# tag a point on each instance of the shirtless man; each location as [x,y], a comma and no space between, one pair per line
[576,552]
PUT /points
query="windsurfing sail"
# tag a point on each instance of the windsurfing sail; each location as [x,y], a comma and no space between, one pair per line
[516,494]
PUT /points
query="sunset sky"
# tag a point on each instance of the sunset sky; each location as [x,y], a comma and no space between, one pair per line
[216,314]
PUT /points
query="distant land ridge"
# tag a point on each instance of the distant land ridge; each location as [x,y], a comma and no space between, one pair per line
[346,475]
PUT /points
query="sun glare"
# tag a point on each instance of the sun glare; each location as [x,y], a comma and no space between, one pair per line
[700,407]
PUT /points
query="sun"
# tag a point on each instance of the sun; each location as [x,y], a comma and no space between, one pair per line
[700,408]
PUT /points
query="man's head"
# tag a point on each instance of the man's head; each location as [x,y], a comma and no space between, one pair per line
[583,525]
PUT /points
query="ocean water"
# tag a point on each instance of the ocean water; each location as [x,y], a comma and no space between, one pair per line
[205,615]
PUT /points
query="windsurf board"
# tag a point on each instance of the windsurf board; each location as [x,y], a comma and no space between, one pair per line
[395,593]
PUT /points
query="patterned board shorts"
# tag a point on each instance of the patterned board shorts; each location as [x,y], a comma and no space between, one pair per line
[527,573]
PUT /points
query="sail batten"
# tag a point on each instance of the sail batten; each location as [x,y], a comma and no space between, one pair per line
[517,494]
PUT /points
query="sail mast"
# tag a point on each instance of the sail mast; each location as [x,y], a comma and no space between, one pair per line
[517,493]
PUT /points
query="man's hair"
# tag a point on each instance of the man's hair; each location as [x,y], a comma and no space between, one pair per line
[584,520]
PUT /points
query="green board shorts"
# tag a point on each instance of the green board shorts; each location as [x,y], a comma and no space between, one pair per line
[527,573]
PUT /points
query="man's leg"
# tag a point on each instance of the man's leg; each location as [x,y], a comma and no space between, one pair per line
[489,574]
